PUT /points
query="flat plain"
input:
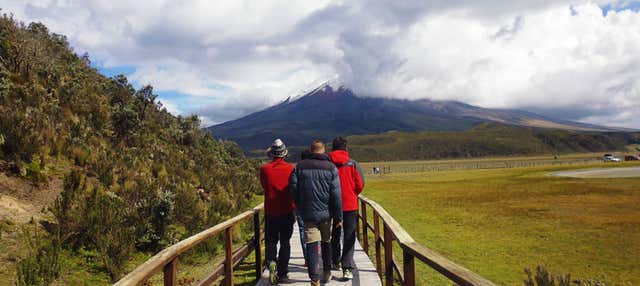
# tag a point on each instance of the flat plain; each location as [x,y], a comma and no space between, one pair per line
[498,221]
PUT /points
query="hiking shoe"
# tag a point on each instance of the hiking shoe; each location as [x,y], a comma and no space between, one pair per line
[283,278]
[336,266]
[346,274]
[326,276]
[273,276]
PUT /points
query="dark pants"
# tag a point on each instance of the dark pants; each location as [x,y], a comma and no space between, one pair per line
[301,230]
[279,229]
[349,220]
[314,251]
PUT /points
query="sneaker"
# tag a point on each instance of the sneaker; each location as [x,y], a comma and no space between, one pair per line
[326,276]
[336,266]
[346,274]
[315,283]
[273,276]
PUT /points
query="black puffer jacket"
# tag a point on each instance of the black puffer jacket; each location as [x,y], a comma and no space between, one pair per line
[315,188]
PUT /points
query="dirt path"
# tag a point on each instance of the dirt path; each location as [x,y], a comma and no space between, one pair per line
[626,172]
[20,200]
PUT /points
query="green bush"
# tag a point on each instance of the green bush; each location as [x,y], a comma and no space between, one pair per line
[173,234]
[111,232]
[544,278]
[94,219]
[34,173]
[601,281]
[79,156]
[42,265]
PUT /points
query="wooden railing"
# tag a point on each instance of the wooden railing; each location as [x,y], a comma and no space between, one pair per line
[168,259]
[384,235]
[385,231]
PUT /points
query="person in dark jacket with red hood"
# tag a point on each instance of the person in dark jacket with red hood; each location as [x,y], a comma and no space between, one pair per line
[278,208]
[351,185]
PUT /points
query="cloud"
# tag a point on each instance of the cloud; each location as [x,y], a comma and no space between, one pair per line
[224,59]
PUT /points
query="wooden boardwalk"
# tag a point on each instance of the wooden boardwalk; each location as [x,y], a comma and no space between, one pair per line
[385,228]
[364,275]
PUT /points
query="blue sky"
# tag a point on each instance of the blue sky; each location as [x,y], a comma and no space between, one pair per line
[620,6]
[223,59]
[176,102]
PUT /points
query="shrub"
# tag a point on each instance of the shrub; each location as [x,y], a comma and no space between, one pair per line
[602,281]
[42,265]
[543,278]
[173,234]
[34,173]
[95,219]
[110,231]
[79,156]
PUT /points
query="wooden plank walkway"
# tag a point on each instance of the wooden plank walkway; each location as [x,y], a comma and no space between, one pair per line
[364,274]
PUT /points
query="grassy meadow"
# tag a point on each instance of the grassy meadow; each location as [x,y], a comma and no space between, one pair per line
[496,222]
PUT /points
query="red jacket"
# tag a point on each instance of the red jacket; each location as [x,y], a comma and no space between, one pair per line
[351,179]
[274,178]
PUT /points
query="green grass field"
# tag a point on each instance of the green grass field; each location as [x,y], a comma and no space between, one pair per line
[497,222]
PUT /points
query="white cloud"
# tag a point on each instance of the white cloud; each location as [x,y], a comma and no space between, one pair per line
[555,58]
[171,107]
[561,57]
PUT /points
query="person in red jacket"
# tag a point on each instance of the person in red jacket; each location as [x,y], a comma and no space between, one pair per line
[278,208]
[351,184]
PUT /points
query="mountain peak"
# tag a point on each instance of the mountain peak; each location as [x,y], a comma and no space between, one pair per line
[327,90]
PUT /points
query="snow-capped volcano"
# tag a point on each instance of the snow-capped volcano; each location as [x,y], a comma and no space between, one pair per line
[328,111]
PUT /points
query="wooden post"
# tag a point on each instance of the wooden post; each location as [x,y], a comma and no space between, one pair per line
[388,256]
[256,242]
[358,222]
[408,268]
[378,243]
[228,259]
[365,236]
[171,273]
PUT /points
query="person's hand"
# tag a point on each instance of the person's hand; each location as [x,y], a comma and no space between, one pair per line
[339,224]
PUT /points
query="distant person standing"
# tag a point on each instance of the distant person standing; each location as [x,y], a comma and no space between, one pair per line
[315,187]
[351,185]
[278,208]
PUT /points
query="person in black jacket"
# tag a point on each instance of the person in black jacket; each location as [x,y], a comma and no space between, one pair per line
[315,188]
[304,155]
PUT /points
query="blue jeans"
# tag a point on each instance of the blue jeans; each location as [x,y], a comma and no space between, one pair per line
[301,230]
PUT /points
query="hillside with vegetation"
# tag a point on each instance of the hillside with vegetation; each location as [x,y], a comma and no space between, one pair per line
[127,176]
[485,140]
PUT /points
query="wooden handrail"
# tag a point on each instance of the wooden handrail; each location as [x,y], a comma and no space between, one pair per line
[167,259]
[385,229]
[411,250]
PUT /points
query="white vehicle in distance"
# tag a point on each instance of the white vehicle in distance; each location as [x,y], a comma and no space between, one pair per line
[610,158]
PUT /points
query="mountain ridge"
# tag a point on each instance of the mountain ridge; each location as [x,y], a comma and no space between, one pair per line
[326,112]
